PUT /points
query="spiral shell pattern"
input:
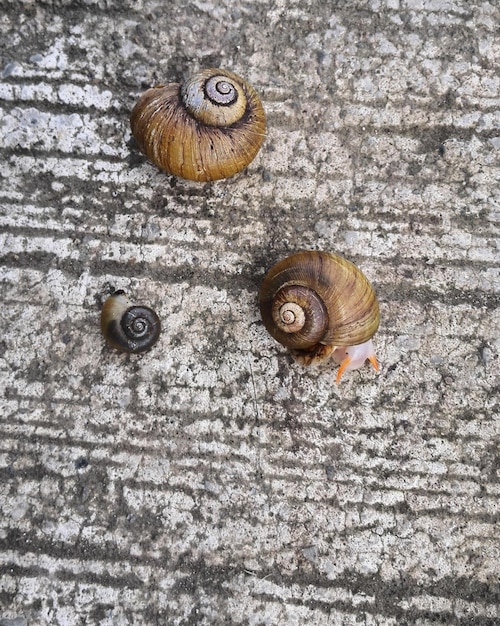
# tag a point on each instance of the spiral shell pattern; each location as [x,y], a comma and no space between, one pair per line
[338,302]
[208,128]
[299,316]
[128,327]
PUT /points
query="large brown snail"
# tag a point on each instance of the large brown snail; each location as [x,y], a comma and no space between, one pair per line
[209,127]
[128,327]
[320,305]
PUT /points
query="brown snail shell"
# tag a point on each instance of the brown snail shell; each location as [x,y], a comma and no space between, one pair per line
[317,304]
[128,327]
[208,128]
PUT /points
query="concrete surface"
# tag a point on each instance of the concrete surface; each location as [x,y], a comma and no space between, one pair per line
[213,480]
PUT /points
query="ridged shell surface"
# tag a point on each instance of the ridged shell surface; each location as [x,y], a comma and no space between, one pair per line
[209,128]
[347,296]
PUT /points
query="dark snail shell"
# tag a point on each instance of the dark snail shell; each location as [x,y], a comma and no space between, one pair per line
[127,327]
[313,299]
[208,128]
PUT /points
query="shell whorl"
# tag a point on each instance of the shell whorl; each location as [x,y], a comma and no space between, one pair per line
[335,290]
[128,327]
[299,316]
[208,128]
[290,317]
[215,99]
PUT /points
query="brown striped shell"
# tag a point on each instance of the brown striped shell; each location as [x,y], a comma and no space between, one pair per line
[208,128]
[313,299]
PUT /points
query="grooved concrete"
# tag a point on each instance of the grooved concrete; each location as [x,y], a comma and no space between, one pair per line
[213,480]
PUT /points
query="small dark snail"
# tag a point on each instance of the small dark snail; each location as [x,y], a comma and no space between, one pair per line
[208,128]
[320,305]
[127,327]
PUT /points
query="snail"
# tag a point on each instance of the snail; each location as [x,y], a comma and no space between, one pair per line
[128,327]
[321,305]
[209,127]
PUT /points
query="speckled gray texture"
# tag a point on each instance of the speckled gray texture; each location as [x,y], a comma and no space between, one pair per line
[213,480]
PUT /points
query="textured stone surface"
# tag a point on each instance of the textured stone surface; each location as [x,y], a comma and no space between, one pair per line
[213,480]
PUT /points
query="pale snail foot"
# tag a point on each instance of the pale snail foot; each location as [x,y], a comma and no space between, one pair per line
[353,357]
[348,357]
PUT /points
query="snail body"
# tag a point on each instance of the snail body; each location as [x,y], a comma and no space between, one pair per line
[128,327]
[208,128]
[321,305]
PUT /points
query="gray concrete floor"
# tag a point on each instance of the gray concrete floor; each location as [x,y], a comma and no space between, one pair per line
[213,480]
